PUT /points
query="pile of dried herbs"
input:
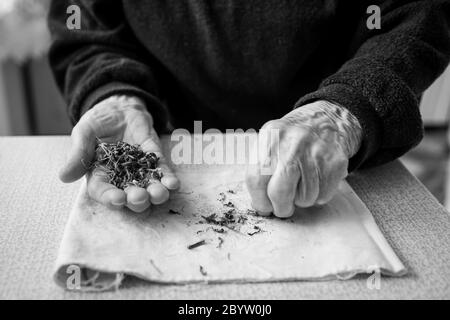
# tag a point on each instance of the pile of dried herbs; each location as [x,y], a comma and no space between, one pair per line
[230,219]
[127,165]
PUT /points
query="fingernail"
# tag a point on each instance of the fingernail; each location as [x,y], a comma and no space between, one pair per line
[260,211]
[170,182]
[118,203]
[136,203]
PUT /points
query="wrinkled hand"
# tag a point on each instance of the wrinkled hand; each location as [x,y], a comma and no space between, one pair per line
[308,160]
[118,118]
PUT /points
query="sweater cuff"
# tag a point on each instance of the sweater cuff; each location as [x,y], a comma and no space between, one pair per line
[347,97]
[153,105]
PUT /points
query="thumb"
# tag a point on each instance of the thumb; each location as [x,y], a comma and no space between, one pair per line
[80,155]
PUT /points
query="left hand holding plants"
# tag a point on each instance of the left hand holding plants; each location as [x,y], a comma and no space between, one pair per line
[118,118]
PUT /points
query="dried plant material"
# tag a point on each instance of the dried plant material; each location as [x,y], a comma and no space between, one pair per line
[222,197]
[197,244]
[171,211]
[211,218]
[221,241]
[231,219]
[257,230]
[225,221]
[252,212]
[242,219]
[127,165]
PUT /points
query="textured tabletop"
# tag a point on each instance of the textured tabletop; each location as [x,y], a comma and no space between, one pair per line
[34,208]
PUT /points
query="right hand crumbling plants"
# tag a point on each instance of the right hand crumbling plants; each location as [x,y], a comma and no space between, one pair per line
[308,161]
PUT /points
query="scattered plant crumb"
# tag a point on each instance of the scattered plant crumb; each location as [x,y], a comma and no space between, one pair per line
[203,271]
[197,244]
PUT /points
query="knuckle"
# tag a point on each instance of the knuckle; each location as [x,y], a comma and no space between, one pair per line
[340,166]
[272,128]
[318,150]
[291,166]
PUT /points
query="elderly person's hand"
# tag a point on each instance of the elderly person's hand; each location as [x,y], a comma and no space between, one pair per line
[118,118]
[305,164]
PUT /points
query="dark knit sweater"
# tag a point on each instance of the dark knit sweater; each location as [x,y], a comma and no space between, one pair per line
[240,63]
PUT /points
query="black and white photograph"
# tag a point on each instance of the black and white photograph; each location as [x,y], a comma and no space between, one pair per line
[223,155]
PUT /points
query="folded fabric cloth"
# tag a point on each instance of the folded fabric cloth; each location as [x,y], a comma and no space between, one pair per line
[207,232]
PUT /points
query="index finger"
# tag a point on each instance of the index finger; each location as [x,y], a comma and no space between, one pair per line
[282,188]
[257,188]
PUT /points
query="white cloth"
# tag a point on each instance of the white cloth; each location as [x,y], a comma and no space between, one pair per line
[337,240]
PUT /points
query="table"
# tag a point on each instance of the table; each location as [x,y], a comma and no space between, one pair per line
[34,207]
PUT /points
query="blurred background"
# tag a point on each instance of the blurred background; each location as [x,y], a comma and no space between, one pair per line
[30,103]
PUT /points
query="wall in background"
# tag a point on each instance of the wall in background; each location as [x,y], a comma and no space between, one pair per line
[49,108]
[4,113]
[14,118]
[30,102]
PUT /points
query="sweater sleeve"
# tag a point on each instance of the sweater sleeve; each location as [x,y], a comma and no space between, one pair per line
[386,73]
[100,59]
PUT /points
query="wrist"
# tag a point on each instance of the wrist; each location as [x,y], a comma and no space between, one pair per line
[350,132]
[115,107]
[126,102]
